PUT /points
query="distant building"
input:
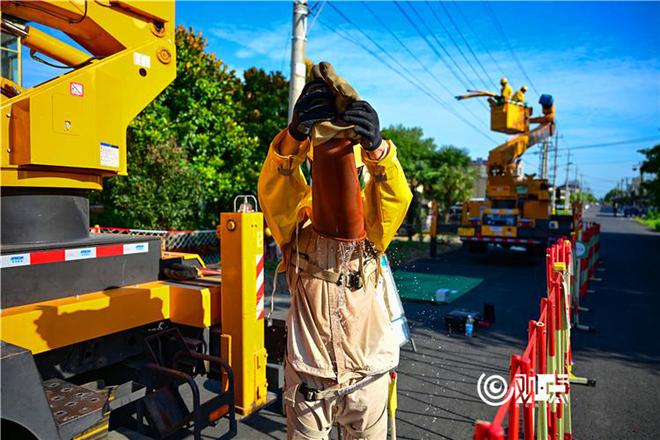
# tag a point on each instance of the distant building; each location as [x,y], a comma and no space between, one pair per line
[480,167]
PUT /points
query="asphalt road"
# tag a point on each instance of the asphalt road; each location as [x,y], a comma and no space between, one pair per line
[437,386]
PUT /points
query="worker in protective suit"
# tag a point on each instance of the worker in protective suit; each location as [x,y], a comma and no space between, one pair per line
[340,343]
[505,90]
[519,96]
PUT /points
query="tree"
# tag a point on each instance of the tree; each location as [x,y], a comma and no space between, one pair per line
[444,175]
[415,153]
[615,195]
[583,196]
[452,178]
[265,101]
[651,165]
[190,151]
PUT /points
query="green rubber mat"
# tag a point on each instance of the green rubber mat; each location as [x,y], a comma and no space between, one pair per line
[438,288]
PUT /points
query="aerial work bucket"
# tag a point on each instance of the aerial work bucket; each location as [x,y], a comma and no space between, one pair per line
[337,210]
[509,118]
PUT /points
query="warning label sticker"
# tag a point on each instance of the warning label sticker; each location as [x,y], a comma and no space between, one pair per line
[76,89]
[109,155]
[141,60]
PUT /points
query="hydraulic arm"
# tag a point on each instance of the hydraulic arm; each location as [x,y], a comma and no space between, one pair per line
[71,131]
[61,137]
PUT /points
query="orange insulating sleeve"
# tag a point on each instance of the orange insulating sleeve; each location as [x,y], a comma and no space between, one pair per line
[337,210]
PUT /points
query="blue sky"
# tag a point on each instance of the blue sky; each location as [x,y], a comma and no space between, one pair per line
[601,62]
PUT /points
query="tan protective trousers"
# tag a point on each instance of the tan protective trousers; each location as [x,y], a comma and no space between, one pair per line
[362,414]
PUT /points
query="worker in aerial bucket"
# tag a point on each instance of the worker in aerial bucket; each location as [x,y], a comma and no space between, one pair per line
[505,90]
[519,96]
[340,343]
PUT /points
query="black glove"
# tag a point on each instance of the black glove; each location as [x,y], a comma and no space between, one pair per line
[365,119]
[315,104]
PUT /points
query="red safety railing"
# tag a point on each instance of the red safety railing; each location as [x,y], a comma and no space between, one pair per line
[548,351]
[587,258]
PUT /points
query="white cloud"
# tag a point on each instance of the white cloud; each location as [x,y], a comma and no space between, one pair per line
[269,43]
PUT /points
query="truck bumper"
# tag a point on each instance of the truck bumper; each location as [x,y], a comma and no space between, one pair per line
[496,240]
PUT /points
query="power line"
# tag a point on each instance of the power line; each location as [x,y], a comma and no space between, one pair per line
[413,56]
[500,29]
[413,83]
[600,178]
[620,161]
[316,11]
[421,34]
[460,33]
[403,67]
[437,18]
[480,41]
[610,144]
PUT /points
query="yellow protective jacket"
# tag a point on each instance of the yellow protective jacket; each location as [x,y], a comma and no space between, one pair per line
[506,91]
[286,198]
[519,96]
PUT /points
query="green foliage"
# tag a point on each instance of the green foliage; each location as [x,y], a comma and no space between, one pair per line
[651,219]
[197,145]
[265,101]
[141,201]
[584,197]
[415,152]
[651,166]
[615,195]
[452,178]
[445,173]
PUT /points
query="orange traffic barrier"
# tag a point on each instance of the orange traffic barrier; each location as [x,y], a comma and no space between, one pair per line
[538,384]
[586,262]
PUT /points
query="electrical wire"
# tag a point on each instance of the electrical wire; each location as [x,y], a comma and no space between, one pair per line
[433,48]
[610,144]
[460,33]
[412,82]
[317,13]
[500,29]
[397,62]
[416,58]
[451,37]
[480,41]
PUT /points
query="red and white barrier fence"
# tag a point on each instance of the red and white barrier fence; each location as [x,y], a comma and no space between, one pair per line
[539,379]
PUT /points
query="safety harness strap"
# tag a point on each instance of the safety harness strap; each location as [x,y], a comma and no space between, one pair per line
[334,277]
[311,394]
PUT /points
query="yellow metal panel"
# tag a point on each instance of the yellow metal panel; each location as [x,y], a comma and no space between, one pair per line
[49,179]
[466,232]
[63,124]
[183,255]
[241,252]
[499,231]
[536,209]
[52,324]
[192,304]
[509,118]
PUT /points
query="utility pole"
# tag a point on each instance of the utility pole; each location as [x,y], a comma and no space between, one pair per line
[543,172]
[553,203]
[298,40]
